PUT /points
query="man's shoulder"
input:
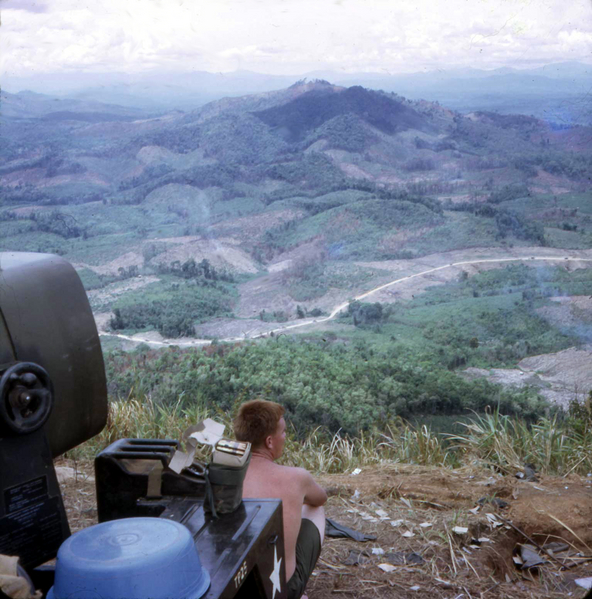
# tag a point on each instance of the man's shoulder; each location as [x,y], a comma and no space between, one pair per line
[294,470]
[292,473]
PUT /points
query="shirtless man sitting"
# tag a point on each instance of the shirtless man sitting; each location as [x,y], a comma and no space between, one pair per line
[262,424]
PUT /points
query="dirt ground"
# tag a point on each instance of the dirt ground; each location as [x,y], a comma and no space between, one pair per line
[222,253]
[248,228]
[439,533]
[119,288]
[560,377]
[132,258]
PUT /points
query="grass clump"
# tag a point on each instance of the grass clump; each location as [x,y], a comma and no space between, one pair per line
[557,445]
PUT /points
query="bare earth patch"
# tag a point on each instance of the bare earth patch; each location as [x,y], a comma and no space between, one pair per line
[112,268]
[562,376]
[559,377]
[115,290]
[456,199]
[228,328]
[28,210]
[545,182]
[263,293]
[221,253]
[397,240]
[572,312]
[341,159]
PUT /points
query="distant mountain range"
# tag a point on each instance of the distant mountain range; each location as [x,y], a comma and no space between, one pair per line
[28,104]
[314,169]
[309,136]
[555,92]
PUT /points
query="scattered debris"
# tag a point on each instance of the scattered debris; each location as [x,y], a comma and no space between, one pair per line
[413,559]
[396,557]
[585,583]
[339,531]
[423,556]
[387,567]
[65,473]
[529,474]
[494,501]
[443,583]
[527,557]
[556,547]
[494,521]
[400,558]
[356,558]
[460,530]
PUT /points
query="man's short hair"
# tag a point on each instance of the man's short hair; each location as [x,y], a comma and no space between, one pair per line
[256,420]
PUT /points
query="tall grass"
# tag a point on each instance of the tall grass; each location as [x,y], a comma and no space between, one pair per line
[135,419]
[554,445]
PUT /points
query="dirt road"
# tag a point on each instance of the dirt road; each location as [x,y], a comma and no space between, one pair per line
[256,333]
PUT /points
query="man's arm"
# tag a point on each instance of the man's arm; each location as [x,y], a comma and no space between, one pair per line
[314,494]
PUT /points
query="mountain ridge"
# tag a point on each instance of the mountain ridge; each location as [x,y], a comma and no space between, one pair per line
[461,89]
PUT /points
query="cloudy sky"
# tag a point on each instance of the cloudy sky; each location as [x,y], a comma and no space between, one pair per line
[288,36]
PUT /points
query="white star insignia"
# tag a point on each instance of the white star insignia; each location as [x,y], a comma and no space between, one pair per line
[275,575]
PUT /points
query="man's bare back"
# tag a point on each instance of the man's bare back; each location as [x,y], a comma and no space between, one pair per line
[294,486]
[261,423]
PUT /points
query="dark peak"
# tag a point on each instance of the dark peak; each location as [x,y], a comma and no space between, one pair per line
[316,103]
[313,82]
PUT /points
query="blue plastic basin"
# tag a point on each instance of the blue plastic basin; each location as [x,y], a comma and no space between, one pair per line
[133,558]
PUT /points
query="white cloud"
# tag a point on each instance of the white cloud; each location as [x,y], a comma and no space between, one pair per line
[289,36]
[33,6]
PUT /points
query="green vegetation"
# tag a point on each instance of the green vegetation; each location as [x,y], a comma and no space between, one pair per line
[488,320]
[573,165]
[351,387]
[344,132]
[92,280]
[385,112]
[311,279]
[173,307]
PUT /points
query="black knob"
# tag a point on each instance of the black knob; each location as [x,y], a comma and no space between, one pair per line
[23,400]
[28,379]
[26,398]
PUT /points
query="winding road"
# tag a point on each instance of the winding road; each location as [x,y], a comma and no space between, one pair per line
[340,307]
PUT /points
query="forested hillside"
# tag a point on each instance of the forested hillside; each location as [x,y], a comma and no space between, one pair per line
[273,208]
